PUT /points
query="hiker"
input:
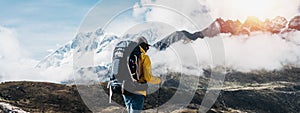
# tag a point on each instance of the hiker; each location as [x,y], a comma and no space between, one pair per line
[131,71]
[135,101]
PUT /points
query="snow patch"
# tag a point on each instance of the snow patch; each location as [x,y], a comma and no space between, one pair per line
[7,108]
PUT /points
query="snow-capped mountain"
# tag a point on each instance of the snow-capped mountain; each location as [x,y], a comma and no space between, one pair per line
[98,42]
[64,54]
[93,41]
[102,44]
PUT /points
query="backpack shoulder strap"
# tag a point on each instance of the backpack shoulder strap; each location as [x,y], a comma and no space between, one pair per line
[131,74]
[137,71]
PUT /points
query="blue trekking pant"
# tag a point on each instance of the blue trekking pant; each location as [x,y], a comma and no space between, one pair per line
[134,102]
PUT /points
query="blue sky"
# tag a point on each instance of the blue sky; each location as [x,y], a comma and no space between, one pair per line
[41,25]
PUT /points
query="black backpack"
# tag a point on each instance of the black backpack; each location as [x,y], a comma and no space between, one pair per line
[125,67]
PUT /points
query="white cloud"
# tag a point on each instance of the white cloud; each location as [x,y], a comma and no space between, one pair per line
[14,62]
[203,12]
[242,53]
[16,65]
[260,51]
[9,45]
[188,58]
[184,15]
[241,9]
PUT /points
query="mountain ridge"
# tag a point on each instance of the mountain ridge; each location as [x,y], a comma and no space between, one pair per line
[100,42]
[252,24]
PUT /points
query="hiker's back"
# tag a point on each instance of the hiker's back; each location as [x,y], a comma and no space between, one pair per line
[125,68]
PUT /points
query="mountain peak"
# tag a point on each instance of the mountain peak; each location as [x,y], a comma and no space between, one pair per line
[99,32]
[253,24]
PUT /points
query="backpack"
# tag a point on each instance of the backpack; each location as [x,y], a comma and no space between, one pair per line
[125,66]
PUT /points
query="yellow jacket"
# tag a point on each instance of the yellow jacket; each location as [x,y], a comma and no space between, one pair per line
[146,71]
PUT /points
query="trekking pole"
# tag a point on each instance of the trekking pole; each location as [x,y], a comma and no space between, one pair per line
[159,87]
[158,96]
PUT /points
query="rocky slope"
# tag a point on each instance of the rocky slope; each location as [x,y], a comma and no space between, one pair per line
[41,97]
[259,91]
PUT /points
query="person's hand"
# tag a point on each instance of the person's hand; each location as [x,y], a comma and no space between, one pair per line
[162,79]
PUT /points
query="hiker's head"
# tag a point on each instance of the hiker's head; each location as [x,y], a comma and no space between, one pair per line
[142,41]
